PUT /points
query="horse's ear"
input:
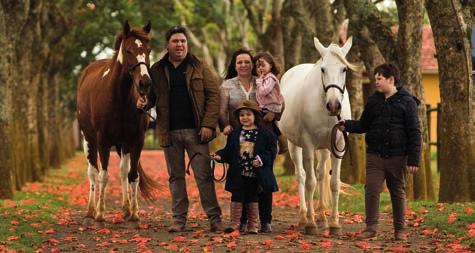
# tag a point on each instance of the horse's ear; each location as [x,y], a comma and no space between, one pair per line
[126,28]
[147,27]
[320,48]
[346,48]
[118,40]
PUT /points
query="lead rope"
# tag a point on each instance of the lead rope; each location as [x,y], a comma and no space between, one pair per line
[220,179]
[334,147]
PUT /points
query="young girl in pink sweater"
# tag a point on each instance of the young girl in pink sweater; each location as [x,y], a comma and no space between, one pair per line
[268,94]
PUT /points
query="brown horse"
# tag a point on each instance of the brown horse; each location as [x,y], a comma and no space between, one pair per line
[106,100]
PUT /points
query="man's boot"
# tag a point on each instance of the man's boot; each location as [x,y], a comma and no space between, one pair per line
[252,217]
[369,233]
[235,216]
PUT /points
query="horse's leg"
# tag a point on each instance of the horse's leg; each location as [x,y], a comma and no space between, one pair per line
[310,185]
[134,178]
[295,153]
[335,227]
[124,179]
[323,187]
[90,151]
[103,179]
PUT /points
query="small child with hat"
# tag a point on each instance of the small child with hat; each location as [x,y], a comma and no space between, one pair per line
[250,152]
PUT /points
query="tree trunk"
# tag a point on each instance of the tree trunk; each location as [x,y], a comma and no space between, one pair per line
[6,184]
[457,94]
[410,14]
[26,67]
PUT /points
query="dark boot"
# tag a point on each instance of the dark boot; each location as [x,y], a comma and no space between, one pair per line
[252,217]
[369,233]
[235,216]
[265,228]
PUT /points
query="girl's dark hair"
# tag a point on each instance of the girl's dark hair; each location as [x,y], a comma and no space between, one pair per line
[268,58]
[387,70]
[231,70]
[257,118]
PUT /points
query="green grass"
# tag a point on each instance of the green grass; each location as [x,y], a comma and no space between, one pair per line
[42,212]
[34,211]
[437,217]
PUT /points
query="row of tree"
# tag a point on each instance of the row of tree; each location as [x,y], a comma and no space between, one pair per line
[47,43]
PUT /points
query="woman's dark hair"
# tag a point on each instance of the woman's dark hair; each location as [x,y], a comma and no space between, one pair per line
[387,70]
[175,29]
[269,59]
[231,70]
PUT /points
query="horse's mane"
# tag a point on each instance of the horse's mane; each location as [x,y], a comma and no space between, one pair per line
[134,32]
[335,50]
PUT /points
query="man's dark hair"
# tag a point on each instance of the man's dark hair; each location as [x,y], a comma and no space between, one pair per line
[387,70]
[175,29]
[231,70]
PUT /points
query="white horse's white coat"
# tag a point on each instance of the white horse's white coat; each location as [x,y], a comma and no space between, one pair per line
[307,124]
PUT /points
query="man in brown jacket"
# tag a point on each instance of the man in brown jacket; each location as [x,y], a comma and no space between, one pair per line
[186,96]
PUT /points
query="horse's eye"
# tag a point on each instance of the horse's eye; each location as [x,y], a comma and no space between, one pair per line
[129,52]
[323,70]
[344,70]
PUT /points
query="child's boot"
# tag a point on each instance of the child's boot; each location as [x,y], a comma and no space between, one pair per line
[236,210]
[252,217]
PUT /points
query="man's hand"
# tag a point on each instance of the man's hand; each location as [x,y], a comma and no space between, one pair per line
[341,125]
[411,169]
[205,134]
[256,163]
[142,102]
[269,117]
[227,130]
[216,157]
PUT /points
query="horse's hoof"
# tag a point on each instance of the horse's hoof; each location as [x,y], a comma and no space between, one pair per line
[335,230]
[134,218]
[126,215]
[88,222]
[99,218]
[311,230]
[322,224]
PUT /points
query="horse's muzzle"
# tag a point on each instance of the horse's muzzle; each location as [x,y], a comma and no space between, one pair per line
[334,108]
[144,87]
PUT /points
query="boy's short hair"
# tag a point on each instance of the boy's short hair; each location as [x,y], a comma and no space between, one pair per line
[387,70]
[176,29]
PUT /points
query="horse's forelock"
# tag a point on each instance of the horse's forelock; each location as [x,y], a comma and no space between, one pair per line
[336,50]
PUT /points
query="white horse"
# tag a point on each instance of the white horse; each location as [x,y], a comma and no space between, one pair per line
[314,95]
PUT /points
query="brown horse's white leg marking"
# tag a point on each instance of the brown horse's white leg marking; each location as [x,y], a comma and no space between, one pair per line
[101,204]
[92,175]
[124,173]
[135,204]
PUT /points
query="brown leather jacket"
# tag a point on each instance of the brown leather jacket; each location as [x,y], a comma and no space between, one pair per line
[202,86]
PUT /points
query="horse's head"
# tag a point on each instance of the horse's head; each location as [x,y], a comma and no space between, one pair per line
[133,54]
[333,73]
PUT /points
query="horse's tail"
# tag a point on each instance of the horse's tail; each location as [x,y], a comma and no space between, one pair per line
[147,185]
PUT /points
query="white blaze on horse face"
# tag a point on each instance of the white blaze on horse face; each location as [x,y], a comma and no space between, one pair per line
[139,43]
[120,57]
[143,68]
[106,72]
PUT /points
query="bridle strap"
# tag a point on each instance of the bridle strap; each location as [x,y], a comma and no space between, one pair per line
[326,88]
[138,64]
